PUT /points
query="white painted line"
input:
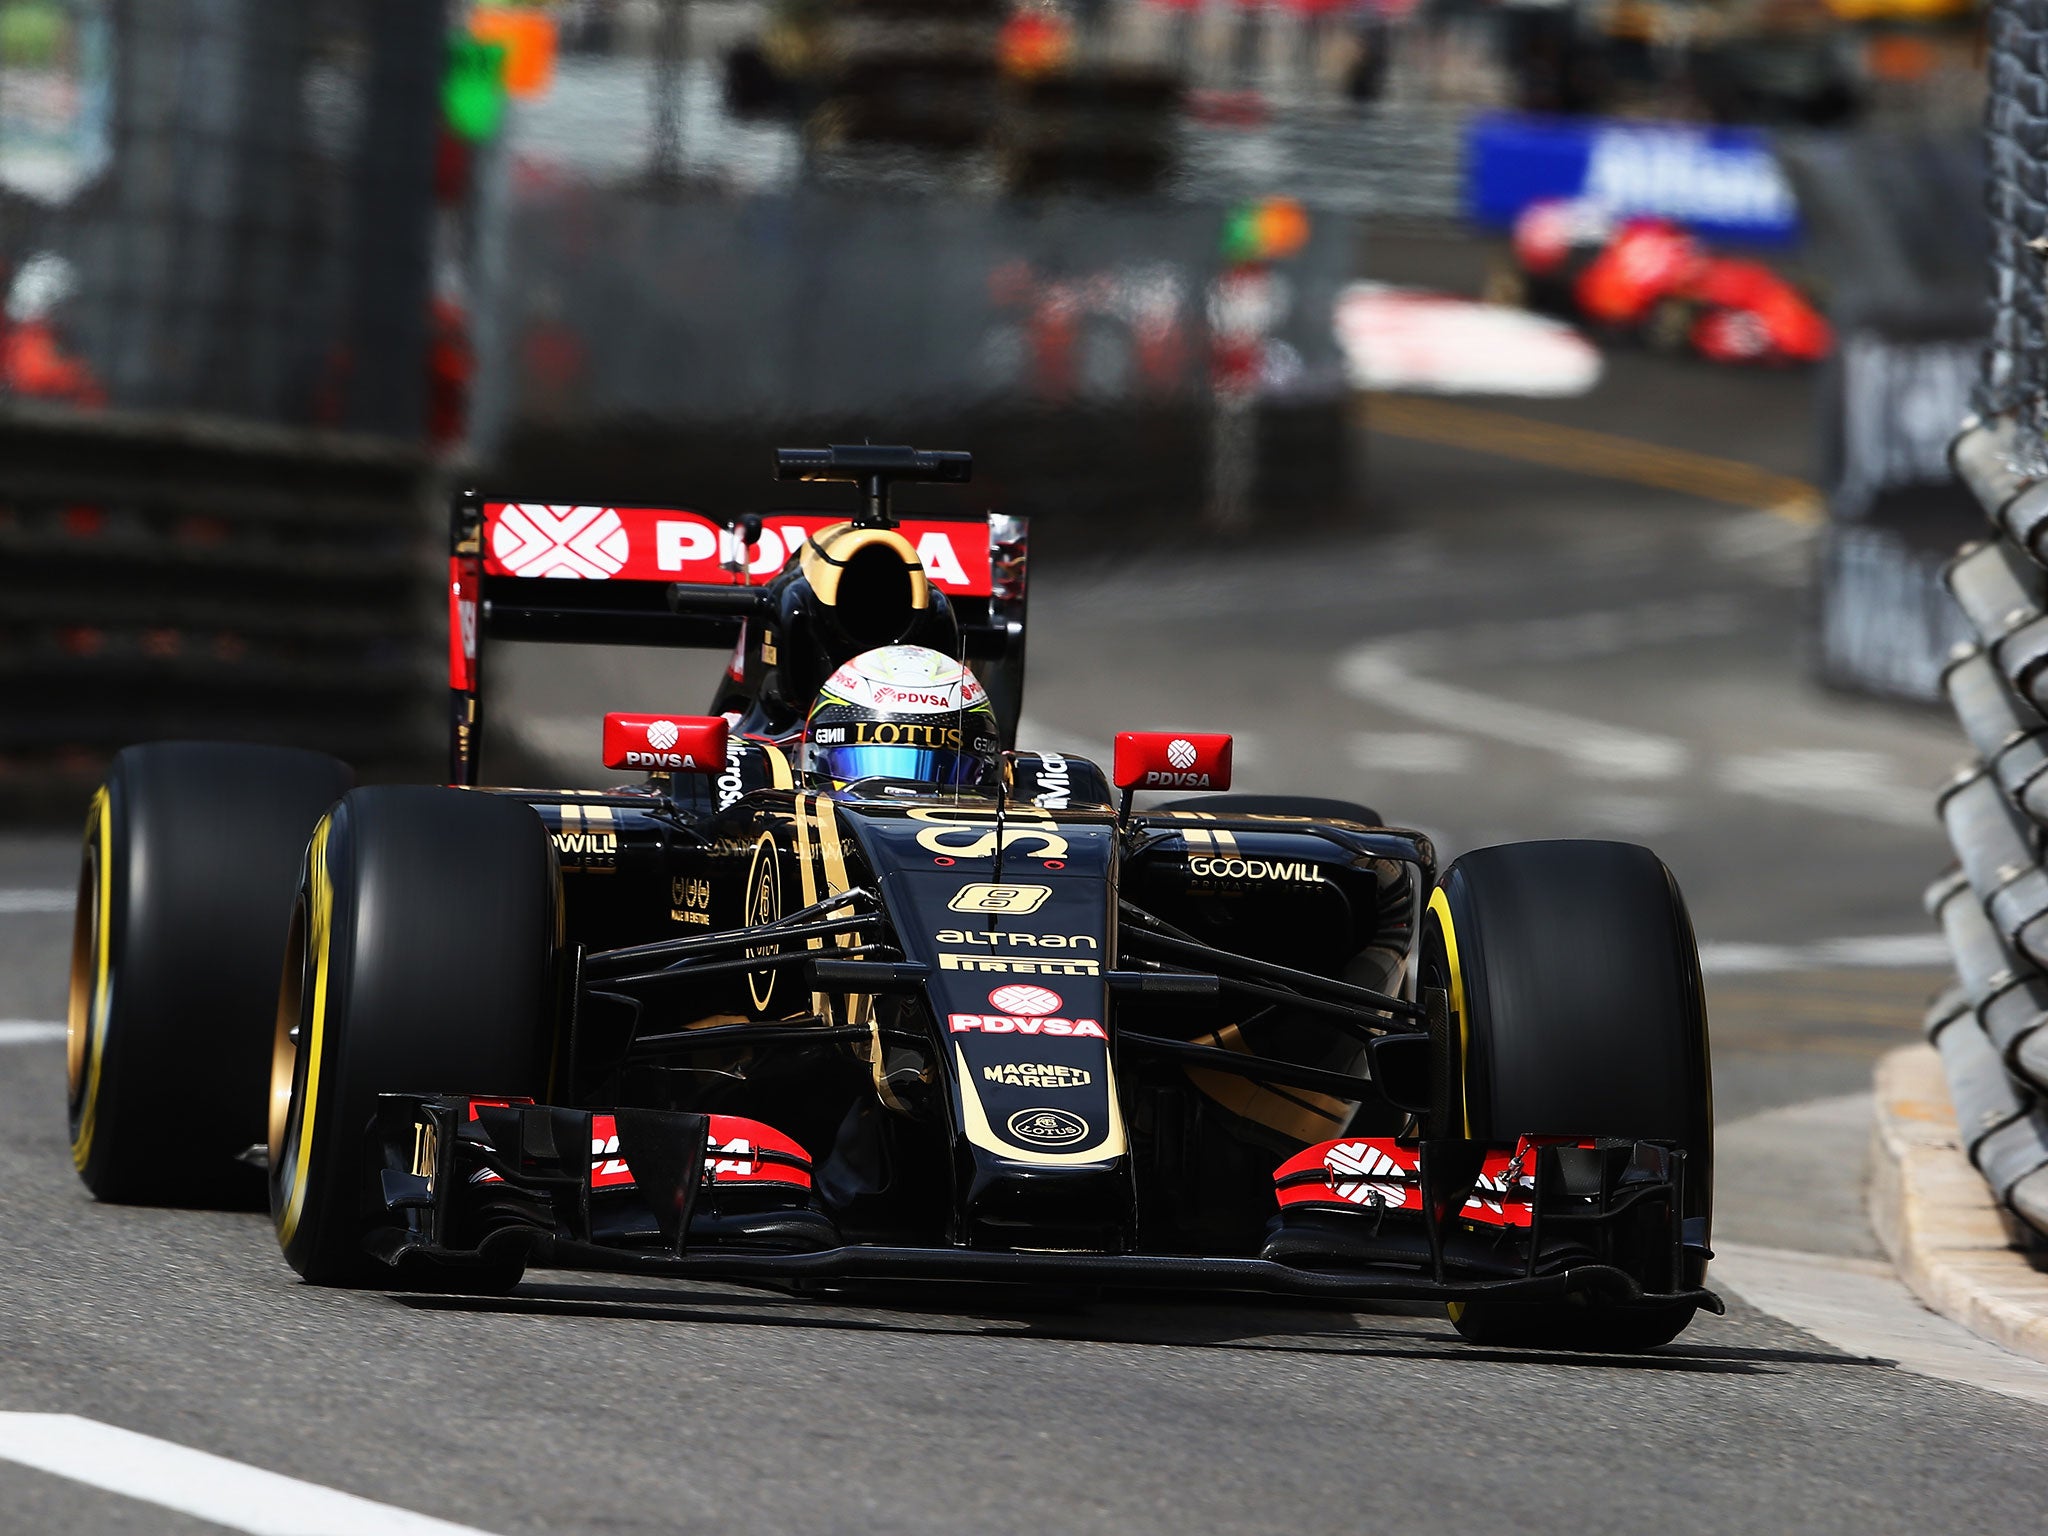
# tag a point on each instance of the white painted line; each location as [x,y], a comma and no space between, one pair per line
[1382,673]
[1856,1304]
[1860,1306]
[207,1487]
[1859,783]
[29,1031]
[1388,673]
[20,900]
[1877,952]
[1425,752]
[1616,813]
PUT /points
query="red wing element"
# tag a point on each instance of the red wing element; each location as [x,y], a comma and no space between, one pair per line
[607,1169]
[737,1154]
[665,743]
[746,1152]
[465,581]
[533,539]
[1172,760]
[1371,1172]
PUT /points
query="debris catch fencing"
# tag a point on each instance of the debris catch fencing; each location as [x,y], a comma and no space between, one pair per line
[216,506]
[1994,907]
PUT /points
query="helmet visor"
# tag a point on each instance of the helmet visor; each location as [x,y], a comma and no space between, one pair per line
[921,765]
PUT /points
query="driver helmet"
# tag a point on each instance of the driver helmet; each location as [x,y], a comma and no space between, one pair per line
[903,712]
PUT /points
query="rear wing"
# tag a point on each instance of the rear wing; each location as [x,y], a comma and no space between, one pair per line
[669,576]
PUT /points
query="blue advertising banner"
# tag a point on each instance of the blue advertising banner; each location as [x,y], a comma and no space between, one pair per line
[1722,182]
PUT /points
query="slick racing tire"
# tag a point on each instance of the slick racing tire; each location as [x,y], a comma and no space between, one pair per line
[1574,984]
[421,959]
[192,852]
[1670,326]
[1311,806]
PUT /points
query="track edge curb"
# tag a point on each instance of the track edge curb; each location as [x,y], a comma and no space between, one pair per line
[1935,1217]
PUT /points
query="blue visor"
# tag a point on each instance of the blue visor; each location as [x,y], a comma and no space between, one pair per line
[918,765]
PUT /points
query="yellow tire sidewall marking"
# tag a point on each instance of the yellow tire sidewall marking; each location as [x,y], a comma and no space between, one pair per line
[99,816]
[319,929]
[1440,907]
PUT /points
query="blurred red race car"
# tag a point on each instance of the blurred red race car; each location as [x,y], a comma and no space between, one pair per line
[1648,277]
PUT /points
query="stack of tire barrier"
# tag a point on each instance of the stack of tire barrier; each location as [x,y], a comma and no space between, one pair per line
[1994,907]
[167,576]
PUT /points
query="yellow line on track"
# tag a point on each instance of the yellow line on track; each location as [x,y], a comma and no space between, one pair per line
[1593,453]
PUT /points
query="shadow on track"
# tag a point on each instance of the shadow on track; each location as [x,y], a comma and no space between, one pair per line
[1265,1330]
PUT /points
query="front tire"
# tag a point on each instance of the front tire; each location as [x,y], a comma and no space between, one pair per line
[192,852]
[1574,985]
[422,961]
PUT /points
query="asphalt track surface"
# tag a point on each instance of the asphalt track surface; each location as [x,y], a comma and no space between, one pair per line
[1670,629]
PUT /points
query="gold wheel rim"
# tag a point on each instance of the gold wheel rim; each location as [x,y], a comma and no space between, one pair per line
[284,1050]
[85,949]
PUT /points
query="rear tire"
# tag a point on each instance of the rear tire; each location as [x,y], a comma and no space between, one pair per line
[422,960]
[192,852]
[1574,980]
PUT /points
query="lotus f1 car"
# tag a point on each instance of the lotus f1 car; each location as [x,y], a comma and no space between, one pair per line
[729,1020]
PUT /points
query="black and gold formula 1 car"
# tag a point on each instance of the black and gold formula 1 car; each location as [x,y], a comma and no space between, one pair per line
[726,1022]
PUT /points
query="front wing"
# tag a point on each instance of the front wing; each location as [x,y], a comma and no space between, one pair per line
[461,1183]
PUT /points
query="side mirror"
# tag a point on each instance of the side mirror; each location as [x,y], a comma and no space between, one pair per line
[1172,760]
[665,743]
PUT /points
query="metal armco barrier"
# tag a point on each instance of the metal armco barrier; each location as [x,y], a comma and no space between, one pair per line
[163,576]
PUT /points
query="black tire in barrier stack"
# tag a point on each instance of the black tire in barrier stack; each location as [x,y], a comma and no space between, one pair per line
[192,853]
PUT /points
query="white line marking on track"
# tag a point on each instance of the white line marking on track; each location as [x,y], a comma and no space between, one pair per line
[21,900]
[207,1487]
[1859,783]
[1860,1306]
[28,1031]
[1854,1303]
[1427,752]
[1878,952]
[1381,673]
[1616,813]
[1388,673]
